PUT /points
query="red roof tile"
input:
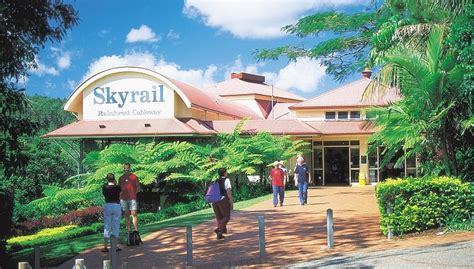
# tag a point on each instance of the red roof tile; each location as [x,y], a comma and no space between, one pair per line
[235,86]
[211,101]
[125,128]
[342,127]
[349,95]
[277,127]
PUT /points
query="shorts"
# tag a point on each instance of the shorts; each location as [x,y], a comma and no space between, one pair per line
[128,205]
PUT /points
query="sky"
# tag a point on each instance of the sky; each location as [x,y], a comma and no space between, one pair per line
[199,42]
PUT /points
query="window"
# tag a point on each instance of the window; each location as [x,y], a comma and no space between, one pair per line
[355,158]
[355,114]
[330,115]
[317,143]
[336,143]
[342,115]
[318,158]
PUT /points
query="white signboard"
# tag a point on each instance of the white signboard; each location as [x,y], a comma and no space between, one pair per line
[128,98]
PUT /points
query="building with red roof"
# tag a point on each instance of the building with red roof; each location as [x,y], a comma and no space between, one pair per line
[132,102]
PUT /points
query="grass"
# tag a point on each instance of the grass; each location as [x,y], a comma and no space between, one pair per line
[58,253]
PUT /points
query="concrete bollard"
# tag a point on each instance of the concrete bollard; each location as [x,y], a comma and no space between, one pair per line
[330,228]
[113,252]
[261,236]
[24,265]
[37,257]
[389,229]
[189,245]
[107,264]
[79,264]
[124,265]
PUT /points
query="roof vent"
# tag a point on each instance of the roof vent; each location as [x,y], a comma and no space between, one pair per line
[101,126]
[248,77]
[147,125]
[367,72]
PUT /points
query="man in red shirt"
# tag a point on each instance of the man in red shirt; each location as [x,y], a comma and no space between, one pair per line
[128,197]
[278,183]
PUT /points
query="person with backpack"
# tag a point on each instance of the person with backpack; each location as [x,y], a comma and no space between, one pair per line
[302,179]
[278,183]
[112,210]
[224,204]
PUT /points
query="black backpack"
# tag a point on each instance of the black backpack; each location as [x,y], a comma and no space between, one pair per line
[134,239]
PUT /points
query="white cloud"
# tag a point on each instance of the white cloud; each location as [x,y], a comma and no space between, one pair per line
[63,58]
[64,61]
[72,84]
[102,33]
[256,19]
[172,35]
[195,77]
[142,34]
[43,69]
[303,75]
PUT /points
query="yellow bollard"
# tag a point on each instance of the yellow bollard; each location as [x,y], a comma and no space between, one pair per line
[362,179]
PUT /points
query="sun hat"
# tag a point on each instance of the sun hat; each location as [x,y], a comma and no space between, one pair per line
[276,163]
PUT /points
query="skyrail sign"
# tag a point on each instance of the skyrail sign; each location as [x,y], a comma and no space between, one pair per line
[128,98]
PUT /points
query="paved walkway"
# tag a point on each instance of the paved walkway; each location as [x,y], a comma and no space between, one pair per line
[293,233]
[452,256]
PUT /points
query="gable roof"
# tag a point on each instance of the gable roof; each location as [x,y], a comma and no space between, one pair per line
[210,101]
[347,96]
[191,96]
[238,87]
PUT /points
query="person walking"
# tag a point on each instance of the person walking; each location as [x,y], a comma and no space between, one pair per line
[224,206]
[128,197]
[282,167]
[278,183]
[112,212]
[302,179]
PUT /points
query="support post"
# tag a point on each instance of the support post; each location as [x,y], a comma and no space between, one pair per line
[37,257]
[81,155]
[24,265]
[261,236]
[330,228]
[79,264]
[113,252]
[389,228]
[107,264]
[189,245]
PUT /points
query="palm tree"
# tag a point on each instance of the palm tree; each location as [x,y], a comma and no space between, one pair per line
[428,81]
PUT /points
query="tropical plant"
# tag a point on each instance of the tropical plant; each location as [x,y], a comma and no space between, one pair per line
[429,83]
[360,39]
[179,169]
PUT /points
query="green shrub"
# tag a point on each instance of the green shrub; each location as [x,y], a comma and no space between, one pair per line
[43,233]
[420,204]
[50,236]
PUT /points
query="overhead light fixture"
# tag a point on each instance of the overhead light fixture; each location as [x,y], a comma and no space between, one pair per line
[101,126]
[147,125]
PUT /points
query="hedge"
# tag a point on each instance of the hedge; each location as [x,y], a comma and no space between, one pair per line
[419,204]
[80,217]
[15,244]
[42,233]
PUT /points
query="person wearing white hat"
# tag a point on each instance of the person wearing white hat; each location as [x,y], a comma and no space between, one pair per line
[302,179]
[278,183]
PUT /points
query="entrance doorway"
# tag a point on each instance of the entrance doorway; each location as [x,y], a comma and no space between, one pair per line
[336,165]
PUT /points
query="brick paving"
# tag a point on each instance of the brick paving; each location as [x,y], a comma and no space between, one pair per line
[294,233]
